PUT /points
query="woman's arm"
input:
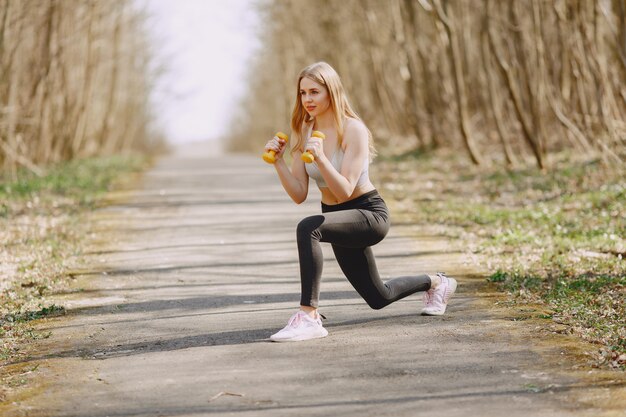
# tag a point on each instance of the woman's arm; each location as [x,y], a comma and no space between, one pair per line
[294,181]
[356,150]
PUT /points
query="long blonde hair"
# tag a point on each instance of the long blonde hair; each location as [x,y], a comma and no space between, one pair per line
[322,73]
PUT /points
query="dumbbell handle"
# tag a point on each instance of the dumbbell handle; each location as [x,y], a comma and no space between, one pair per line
[270,156]
[308,156]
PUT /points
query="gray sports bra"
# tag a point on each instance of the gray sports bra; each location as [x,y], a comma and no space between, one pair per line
[313,171]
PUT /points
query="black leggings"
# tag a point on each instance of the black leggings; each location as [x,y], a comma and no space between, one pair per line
[351,228]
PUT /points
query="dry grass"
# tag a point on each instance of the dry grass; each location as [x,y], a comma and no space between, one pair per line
[41,233]
[557,238]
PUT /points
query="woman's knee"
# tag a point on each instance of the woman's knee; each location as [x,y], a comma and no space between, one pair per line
[377,304]
[373,299]
[308,227]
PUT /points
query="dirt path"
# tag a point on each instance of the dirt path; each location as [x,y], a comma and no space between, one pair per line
[189,275]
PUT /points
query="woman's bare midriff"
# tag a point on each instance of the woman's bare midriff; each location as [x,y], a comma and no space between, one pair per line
[329,198]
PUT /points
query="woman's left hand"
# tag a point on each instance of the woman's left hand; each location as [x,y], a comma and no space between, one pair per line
[316,147]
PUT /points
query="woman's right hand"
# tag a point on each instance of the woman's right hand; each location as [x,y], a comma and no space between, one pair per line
[277,145]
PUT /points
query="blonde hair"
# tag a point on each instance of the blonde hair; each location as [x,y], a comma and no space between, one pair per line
[322,73]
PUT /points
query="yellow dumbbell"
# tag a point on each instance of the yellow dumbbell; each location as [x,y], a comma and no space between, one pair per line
[270,157]
[306,155]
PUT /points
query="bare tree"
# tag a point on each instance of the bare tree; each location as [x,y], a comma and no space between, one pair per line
[523,79]
[60,92]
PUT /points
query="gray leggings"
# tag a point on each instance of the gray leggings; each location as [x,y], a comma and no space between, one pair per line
[351,228]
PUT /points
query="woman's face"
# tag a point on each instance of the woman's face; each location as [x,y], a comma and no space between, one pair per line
[314,97]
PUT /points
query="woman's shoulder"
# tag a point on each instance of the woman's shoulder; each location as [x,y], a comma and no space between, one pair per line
[352,123]
[354,129]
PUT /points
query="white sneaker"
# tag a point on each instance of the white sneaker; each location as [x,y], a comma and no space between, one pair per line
[436,299]
[300,327]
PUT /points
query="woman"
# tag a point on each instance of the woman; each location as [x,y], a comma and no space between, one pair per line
[354,216]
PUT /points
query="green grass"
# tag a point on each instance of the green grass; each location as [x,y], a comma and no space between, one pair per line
[76,182]
[50,311]
[556,238]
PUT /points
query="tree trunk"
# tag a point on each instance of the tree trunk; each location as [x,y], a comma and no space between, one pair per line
[405,35]
[109,144]
[516,98]
[446,17]
[495,101]
[385,101]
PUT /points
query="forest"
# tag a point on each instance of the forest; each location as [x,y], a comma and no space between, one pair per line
[75,78]
[512,82]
